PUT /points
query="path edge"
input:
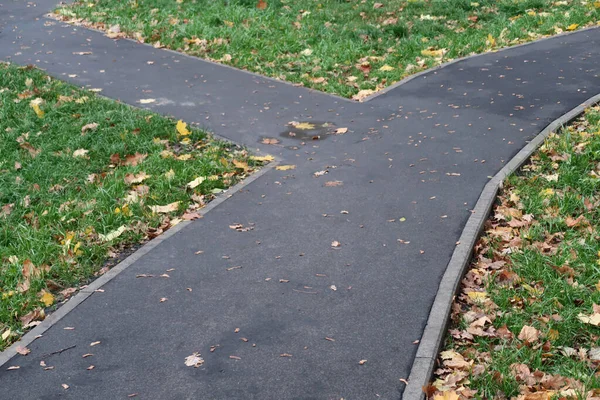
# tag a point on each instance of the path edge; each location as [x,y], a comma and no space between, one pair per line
[72,303]
[435,331]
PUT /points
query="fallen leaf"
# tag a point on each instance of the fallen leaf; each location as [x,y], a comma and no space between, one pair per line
[269,141]
[166,208]
[333,183]
[194,360]
[47,298]
[89,127]
[386,68]
[35,105]
[134,159]
[13,367]
[190,216]
[362,362]
[263,158]
[572,27]
[23,350]
[447,395]
[335,243]
[377,5]
[242,165]
[95,343]
[64,386]
[131,178]
[285,167]
[163,299]
[80,153]
[340,131]
[363,94]
[196,182]
[261,5]
[433,53]
[91,367]
[147,101]
[182,128]
[593,319]
[113,235]
[529,334]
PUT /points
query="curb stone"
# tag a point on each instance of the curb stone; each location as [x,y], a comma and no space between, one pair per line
[435,331]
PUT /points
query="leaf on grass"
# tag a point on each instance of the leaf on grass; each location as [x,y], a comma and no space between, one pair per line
[447,395]
[35,104]
[242,165]
[134,159]
[196,182]
[112,235]
[166,208]
[194,360]
[529,334]
[89,127]
[132,178]
[285,167]
[261,5]
[182,128]
[47,298]
[386,68]
[593,319]
[6,334]
[80,153]
[433,53]
[572,27]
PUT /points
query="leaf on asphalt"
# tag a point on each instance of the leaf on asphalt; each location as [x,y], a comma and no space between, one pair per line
[302,125]
[166,208]
[241,228]
[190,216]
[194,360]
[340,131]
[64,386]
[335,243]
[269,141]
[196,182]
[95,343]
[147,101]
[80,153]
[362,362]
[13,367]
[136,178]
[113,234]
[285,167]
[363,94]
[23,350]
[263,158]
[182,128]
[529,334]
[333,183]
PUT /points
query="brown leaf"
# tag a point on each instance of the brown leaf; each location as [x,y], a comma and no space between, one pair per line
[166,208]
[89,127]
[269,141]
[529,334]
[333,183]
[23,350]
[33,152]
[134,159]
[190,216]
[261,5]
[135,178]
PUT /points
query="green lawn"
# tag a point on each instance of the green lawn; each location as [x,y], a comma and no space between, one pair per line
[527,319]
[83,178]
[346,47]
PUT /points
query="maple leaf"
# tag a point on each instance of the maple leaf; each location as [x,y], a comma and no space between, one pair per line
[529,334]
[182,128]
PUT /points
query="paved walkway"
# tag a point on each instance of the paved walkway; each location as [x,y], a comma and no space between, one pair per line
[415,153]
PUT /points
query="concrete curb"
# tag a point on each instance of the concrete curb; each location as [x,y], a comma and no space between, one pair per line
[83,294]
[435,330]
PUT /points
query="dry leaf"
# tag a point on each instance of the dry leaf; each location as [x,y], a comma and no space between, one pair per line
[80,153]
[269,141]
[95,343]
[23,350]
[113,235]
[362,362]
[263,158]
[285,167]
[341,131]
[166,208]
[131,178]
[147,101]
[195,183]
[529,334]
[261,5]
[194,360]
[363,94]
[12,368]
[46,298]
[89,127]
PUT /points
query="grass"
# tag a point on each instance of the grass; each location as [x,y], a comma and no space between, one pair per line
[79,178]
[527,320]
[346,47]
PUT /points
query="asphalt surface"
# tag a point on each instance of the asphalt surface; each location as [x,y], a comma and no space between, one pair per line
[407,172]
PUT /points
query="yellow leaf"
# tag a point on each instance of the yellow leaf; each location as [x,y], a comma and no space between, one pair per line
[6,334]
[386,68]
[491,40]
[433,53]
[182,128]
[597,4]
[572,27]
[241,165]
[147,101]
[477,295]
[165,209]
[170,174]
[196,182]
[304,125]
[184,157]
[228,23]
[262,158]
[449,395]
[112,235]
[285,167]
[35,104]
[47,298]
